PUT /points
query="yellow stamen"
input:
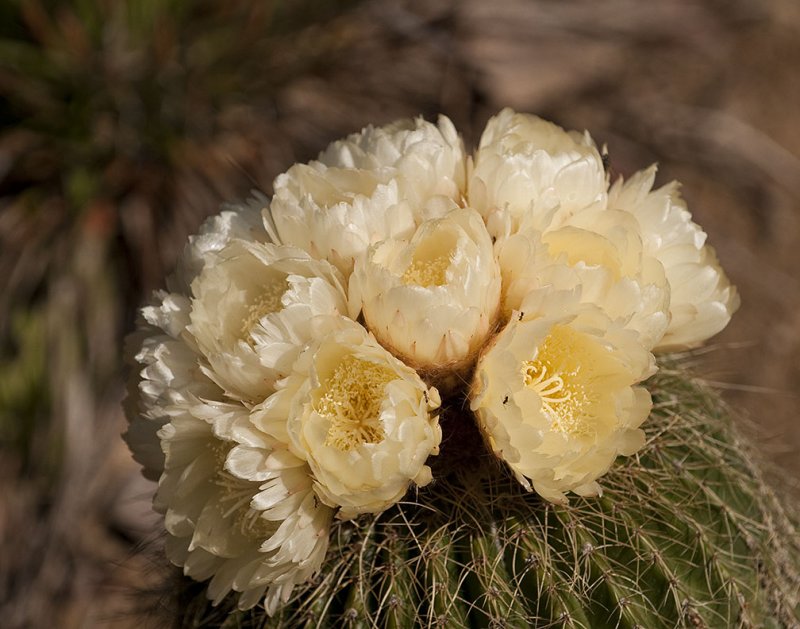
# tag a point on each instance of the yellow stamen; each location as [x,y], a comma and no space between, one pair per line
[267,302]
[352,403]
[431,259]
[563,373]
[427,272]
[236,494]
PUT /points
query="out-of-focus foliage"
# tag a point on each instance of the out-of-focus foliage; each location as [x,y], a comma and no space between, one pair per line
[95,89]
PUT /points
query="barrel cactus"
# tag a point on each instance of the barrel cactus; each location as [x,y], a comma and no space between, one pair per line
[397,394]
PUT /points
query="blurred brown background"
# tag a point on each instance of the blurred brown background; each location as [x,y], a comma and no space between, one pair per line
[125,123]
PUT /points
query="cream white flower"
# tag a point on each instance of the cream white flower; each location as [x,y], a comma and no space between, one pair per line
[239,508]
[252,313]
[367,188]
[598,252]
[555,394]
[165,377]
[426,160]
[236,221]
[526,166]
[702,299]
[431,301]
[165,372]
[363,421]
[336,213]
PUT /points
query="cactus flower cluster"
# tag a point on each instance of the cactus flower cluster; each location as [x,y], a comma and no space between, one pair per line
[295,370]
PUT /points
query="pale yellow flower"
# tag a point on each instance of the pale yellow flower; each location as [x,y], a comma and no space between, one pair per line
[599,253]
[555,395]
[239,509]
[363,421]
[242,221]
[165,374]
[529,167]
[432,300]
[335,214]
[702,299]
[426,160]
[253,310]
[367,188]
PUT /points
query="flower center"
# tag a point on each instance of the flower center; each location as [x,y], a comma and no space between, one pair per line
[431,260]
[565,374]
[352,403]
[235,503]
[427,272]
[236,494]
[583,246]
[267,302]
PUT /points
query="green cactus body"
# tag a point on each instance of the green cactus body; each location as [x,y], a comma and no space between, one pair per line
[686,534]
